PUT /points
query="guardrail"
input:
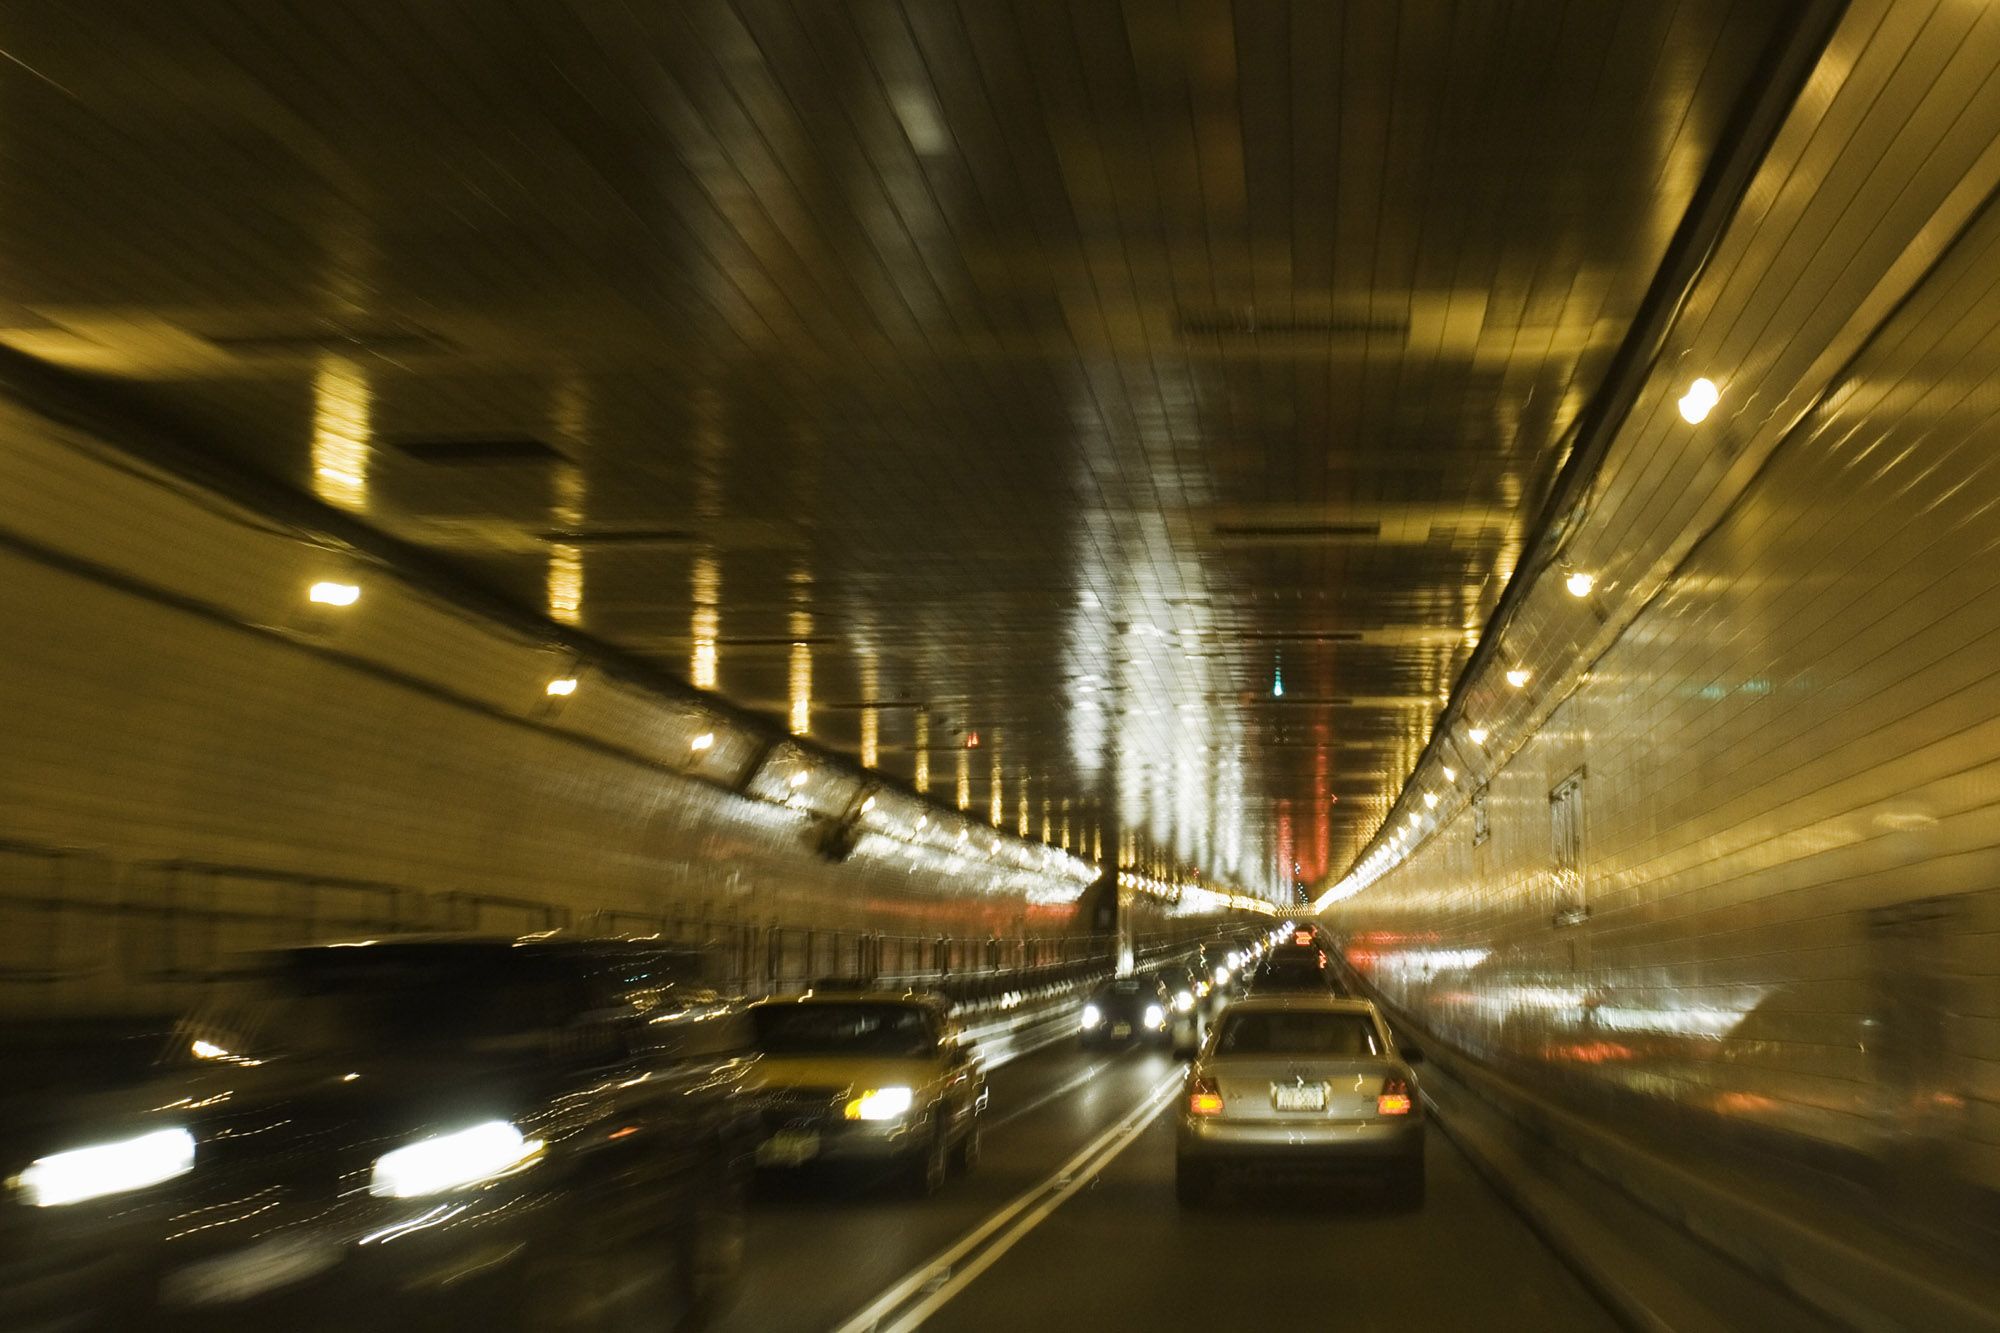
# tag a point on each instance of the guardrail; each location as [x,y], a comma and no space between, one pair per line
[1568,1172]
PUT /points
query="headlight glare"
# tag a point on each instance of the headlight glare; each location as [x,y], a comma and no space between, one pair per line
[107,1168]
[1183,1000]
[1155,1016]
[452,1161]
[881,1104]
[1092,1016]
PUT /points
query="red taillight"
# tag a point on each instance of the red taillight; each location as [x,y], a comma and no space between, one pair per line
[1204,1098]
[1302,937]
[1394,1098]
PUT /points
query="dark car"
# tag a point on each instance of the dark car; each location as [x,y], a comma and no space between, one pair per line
[1135,1008]
[1295,968]
[76,1106]
[541,1133]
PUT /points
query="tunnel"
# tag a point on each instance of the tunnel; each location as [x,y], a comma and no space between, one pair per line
[578,540]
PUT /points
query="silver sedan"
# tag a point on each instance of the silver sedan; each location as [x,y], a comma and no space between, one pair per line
[1295,1083]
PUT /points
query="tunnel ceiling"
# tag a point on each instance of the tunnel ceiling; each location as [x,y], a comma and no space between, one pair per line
[1067,378]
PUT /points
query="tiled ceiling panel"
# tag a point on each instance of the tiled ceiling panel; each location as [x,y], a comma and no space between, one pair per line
[1080,376]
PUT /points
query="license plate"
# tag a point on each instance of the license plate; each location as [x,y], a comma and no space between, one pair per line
[276,1263]
[788,1147]
[1121,1029]
[1298,1096]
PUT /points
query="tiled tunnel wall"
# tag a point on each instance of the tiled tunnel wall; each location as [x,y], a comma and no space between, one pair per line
[1734,852]
[198,760]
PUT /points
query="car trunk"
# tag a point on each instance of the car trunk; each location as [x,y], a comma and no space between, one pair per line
[1252,1087]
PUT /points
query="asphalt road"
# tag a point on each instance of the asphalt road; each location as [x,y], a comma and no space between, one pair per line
[1028,1244]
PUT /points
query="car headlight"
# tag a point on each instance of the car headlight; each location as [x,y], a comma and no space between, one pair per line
[1155,1016]
[452,1161]
[881,1104]
[1092,1016]
[107,1168]
[1221,976]
[1183,1000]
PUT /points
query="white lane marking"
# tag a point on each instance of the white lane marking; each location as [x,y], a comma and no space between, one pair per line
[1088,1074]
[936,1276]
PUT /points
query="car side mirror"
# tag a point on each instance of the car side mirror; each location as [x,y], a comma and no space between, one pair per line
[1412,1055]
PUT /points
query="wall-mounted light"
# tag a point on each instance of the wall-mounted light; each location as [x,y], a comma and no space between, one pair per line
[923,822]
[868,805]
[798,779]
[1477,735]
[334,594]
[1580,583]
[703,741]
[1430,800]
[1699,401]
[562,686]
[1517,677]
[1450,773]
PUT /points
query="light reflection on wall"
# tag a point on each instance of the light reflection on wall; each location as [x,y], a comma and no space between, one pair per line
[964,778]
[799,679]
[1021,826]
[871,720]
[997,797]
[707,624]
[922,778]
[341,410]
[565,575]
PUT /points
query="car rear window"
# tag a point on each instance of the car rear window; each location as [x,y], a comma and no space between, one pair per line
[1300,1032]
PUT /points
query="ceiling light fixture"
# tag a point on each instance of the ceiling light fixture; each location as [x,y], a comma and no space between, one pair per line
[703,741]
[563,686]
[334,594]
[1450,773]
[1699,401]
[1517,677]
[799,778]
[868,805]
[1430,800]
[1477,735]
[1580,583]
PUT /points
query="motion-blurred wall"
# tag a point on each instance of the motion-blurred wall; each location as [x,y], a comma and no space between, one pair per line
[1732,853]
[197,759]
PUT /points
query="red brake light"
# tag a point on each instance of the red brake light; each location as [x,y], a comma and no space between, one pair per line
[1394,1098]
[1302,937]
[1204,1098]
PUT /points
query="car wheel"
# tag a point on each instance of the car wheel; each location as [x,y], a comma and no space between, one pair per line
[1194,1183]
[712,1248]
[931,1163]
[598,1271]
[966,1155]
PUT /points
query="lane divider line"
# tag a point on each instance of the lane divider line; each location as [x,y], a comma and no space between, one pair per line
[1071,1086]
[940,1277]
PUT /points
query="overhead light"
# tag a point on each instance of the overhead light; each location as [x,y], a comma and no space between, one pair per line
[799,778]
[564,686]
[1699,401]
[1450,773]
[703,741]
[1517,677]
[1477,735]
[923,821]
[1430,800]
[868,805]
[334,594]
[1415,819]
[1580,583]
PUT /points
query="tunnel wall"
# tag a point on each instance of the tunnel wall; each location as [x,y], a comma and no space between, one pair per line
[197,760]
[1731,857]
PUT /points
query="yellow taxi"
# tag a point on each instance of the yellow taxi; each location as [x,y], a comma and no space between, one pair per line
[866,1076]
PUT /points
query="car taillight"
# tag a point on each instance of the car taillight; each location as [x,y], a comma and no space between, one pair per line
[1303,937]
[1394,1098]
[1204,1098]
